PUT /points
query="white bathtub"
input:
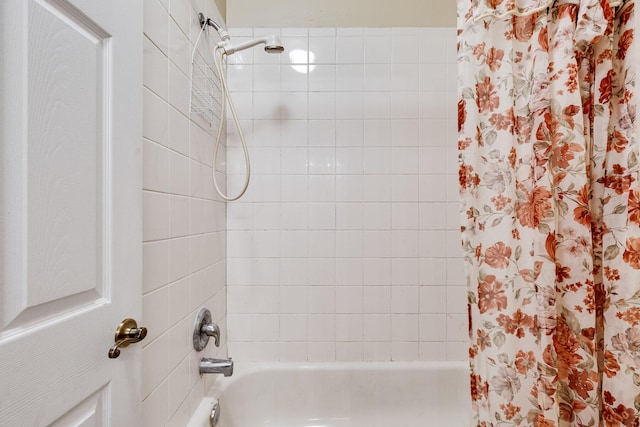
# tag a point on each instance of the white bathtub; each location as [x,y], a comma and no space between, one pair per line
[389,394]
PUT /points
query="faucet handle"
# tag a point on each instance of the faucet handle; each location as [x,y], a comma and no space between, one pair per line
[212,330]
[203,328]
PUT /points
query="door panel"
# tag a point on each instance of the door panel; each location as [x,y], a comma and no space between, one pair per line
[70,210]
[60,179]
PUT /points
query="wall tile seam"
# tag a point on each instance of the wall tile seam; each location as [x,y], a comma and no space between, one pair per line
[168,239]
[164,333]
[167,285]
[188,196]
[148,37]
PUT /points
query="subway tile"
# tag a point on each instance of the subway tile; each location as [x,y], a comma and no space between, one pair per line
[349,244]
[156,167]
[292,351]
[349,188]
[404,299]
[293,216]
[155,265]
[405,160]
[156,211]
[322,244]
[349,133]
[321,328]
[349,216]
[155,364]
[349,327]
[179,261]
[321,299]
[376,300]
[266,78]
[377,327]
[349,105]
[404,48]
[155,406]
[406,77]
[322,188]
[404,351]
[433,216]
[405,271]
[155,69]
[377,105]
[179,89]
[405,327]
[406,132]
[405,105]
[322,49]
[155,306]
[179,47]
[265,327]
[293,327]
[155,118]
[349,351]
[349,49]
[322,31]
[377,49]
[349,161]
[294,78]
[321,351]
[349,77]
[179,385]
[433,351]
[266,105]
[321,271]
[377,351]
[349,300]
[156,24]
[322,216]
[322,161]
[377,271]
[322,105]
[322,78]
[293,271]
[294,300]
[349,271]
[377,216]
[293,244]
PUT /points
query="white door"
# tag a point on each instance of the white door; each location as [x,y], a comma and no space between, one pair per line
[70,210]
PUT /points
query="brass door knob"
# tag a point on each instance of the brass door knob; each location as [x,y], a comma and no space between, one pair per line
[127,333]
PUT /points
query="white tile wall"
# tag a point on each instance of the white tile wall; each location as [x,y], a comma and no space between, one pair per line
[184,224]
[346,246]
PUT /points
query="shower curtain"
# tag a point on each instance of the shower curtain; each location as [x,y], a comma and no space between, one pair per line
[550,209]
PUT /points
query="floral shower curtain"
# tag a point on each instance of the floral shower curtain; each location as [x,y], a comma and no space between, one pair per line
[550,193]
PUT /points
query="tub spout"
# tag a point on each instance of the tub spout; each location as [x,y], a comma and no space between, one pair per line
[216,366]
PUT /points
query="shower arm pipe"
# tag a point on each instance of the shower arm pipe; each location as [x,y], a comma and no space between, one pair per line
[204,21]
[229,49]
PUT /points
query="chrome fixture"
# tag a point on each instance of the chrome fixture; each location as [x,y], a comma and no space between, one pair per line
[203,328]
[224,48]
[272,44]
[126,333]
[215,414]
[216,366]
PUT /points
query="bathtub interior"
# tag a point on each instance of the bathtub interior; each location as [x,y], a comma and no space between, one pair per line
[339,395]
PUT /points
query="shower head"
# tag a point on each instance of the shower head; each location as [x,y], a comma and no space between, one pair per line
[272,44]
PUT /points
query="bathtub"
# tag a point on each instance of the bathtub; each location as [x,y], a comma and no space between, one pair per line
[389,394]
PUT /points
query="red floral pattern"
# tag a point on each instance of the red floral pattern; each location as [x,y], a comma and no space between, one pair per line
[549,167]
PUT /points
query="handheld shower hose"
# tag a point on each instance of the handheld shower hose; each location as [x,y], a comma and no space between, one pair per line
[223,49]
[218,59]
